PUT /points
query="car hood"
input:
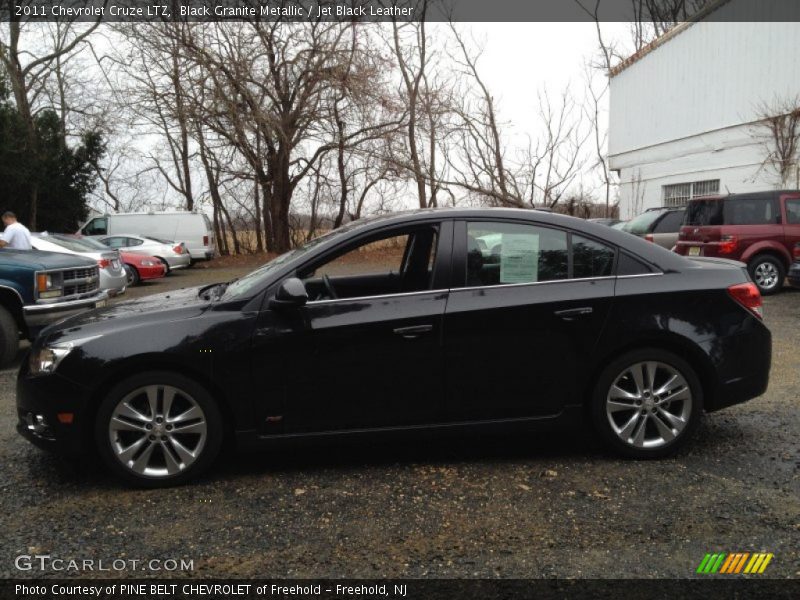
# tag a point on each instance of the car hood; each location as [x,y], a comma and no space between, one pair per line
[39,259]
[180,304]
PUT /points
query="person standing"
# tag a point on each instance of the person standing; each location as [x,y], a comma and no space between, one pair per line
[16,235]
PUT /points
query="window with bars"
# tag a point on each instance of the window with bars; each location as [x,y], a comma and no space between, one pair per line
[679,194]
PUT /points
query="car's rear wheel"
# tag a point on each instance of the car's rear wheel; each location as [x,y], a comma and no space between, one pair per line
[132,274]
[768,273]
[9,337]
[158,429]
[647,403]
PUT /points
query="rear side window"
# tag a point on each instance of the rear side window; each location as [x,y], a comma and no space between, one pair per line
[704,212]
[793,212]
[503,253]
[671,223]
[627,265]
[751,211]
[591,258]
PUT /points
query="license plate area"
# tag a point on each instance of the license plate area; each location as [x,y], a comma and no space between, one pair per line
[694,251]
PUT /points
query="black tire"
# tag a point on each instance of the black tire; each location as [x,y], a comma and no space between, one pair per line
[768,273]
[166,265]
[133,275]
[207,449]
[602,420]
[9,337]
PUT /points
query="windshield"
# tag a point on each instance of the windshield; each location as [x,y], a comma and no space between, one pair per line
[641,224]
[242,286]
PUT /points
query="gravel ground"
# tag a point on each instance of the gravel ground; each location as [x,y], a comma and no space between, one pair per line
[555,506]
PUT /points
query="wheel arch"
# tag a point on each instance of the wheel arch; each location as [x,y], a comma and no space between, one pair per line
[670,342]
[138,364]
[12,302]
[773,249]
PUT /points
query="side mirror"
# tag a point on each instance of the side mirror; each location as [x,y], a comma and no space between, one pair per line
[291,293]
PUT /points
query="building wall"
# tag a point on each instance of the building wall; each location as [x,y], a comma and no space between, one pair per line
[684,112]
[734,155]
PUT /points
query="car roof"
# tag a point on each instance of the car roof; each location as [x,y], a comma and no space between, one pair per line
[763,194]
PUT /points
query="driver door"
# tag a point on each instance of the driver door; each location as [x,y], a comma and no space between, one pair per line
[373,334]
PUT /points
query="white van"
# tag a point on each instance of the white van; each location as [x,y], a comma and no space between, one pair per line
[192,228]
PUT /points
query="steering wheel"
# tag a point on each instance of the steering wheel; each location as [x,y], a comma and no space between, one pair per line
[329,287]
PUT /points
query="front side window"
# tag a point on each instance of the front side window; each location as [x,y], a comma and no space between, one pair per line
[392,263]
[504,253]
[115,242]
[98,226]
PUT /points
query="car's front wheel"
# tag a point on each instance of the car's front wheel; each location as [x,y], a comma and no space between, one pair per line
[158,429]
[647,403]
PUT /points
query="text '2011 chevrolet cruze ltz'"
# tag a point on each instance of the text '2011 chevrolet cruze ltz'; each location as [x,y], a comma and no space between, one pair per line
[450,320]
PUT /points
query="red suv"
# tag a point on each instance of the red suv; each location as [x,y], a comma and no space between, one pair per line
[759,229]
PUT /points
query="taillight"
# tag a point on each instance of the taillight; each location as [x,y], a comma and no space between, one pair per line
[649,237]
[796,251]
[178,249]
[205,240]
[103,263]
[727,244]
[747,295]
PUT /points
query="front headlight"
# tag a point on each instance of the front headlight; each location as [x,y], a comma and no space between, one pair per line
[148,263]
[46,359]
[49,285]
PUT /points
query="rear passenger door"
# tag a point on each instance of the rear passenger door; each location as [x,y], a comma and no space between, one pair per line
[526,308]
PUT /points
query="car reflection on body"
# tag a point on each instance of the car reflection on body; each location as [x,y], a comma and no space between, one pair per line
[584,320]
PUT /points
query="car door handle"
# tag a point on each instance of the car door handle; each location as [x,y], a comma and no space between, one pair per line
[414,331]
[571,314]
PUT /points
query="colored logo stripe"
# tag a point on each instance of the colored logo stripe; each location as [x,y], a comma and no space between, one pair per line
[734,563]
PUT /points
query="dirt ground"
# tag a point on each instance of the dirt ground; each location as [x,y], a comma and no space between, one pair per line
[553,506]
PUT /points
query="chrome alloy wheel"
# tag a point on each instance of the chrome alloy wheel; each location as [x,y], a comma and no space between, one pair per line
[766,275]
[157,431]
[649,404]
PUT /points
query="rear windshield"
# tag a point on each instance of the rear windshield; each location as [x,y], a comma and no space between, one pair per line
[641,224]
[704,212]
[733,211]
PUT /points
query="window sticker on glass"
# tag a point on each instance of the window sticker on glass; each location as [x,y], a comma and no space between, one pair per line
[519,258]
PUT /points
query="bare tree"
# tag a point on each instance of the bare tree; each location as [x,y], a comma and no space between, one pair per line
[29,72]
[778,130]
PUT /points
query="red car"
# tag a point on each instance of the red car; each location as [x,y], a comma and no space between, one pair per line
[139,267]
[759,229]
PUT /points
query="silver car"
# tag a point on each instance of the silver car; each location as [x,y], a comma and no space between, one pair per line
[172,254]
[113,278]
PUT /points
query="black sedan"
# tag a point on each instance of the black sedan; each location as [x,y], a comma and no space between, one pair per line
[451,320]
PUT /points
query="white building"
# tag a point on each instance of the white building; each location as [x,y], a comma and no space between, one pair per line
[683,111]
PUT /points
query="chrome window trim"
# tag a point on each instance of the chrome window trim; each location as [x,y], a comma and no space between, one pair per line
[381,296]
[479,287]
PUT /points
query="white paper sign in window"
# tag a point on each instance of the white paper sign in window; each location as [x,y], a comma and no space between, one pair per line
[519,258]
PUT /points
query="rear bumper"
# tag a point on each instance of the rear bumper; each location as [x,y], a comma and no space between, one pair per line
[155,272]
[794,275]
[742,367]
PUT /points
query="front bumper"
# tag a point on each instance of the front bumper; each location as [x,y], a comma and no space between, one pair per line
[39,316]
[44,406]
